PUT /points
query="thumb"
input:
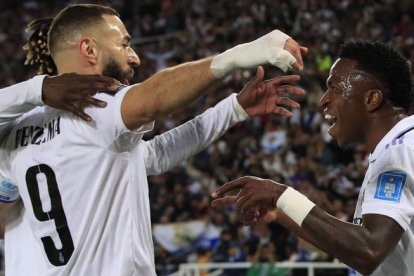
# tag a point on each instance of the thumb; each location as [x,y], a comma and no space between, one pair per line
[254,82]
[259,75]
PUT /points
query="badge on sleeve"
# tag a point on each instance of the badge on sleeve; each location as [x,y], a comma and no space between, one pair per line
[390,186]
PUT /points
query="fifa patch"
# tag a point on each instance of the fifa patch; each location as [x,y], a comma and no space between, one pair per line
[390,186]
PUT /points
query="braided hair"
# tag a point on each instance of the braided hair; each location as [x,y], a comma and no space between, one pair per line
[37,52]
[49,33]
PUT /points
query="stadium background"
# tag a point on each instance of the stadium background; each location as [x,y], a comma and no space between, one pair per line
[295,151]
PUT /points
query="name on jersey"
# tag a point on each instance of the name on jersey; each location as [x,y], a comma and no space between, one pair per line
[36,135]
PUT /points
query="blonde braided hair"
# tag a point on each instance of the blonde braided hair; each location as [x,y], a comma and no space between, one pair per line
[37,52]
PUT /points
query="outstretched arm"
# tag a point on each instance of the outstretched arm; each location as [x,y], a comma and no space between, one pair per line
[176,87]
[258,97]
[362,247]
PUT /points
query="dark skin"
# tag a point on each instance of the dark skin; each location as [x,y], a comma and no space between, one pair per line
[355,109]
[73,92]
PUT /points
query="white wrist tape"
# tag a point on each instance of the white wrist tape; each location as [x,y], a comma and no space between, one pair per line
[295,205]
[266,49]
[8,191]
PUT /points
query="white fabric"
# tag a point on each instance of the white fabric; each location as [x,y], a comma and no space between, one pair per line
[22,252]
[395,155]
[102,185]
[18,99]
[266,49]
[176,145]
[100,170]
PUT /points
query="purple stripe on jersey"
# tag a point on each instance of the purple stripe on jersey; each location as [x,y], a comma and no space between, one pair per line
[399,140]
[399,137]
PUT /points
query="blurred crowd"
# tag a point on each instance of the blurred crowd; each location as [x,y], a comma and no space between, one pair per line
[296,151]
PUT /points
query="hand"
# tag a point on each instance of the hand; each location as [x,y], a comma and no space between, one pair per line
[254,217]
[275,48]
[72,92]
[259,216]
[297,51]
[264,217]
[255,198]
[260,97]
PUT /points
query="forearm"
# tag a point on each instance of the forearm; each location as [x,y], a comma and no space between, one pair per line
[176,87]
[166,92]
[169,149]
[290,225]
[359,247]
[19,98]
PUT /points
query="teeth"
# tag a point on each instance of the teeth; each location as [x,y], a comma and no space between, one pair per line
[329,117]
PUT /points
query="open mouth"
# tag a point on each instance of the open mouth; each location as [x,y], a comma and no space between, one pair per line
[331,119]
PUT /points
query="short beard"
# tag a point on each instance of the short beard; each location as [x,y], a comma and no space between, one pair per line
[113,70]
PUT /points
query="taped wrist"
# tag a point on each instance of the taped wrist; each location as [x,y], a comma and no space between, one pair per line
[266,49]
[8,191]
[295,205]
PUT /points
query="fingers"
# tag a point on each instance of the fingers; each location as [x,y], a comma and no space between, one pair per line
[247,204]
[288,102]
[95,102]
[78,102]
[255,81]
[79,112]
[288,79]
[72,92]
[77,106]
[259,75]
[229,186]
[282,111]
[293,47]
[270,216]
[303,50]
[99,83]
[220,202]
[293,90]
[298,65]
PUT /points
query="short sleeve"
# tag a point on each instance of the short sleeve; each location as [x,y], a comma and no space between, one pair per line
[390,190]
[108,124]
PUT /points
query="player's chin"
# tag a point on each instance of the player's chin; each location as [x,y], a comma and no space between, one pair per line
[128,78]
[344,143]
[130,74]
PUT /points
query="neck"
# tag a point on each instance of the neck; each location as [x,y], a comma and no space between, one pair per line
[382,124]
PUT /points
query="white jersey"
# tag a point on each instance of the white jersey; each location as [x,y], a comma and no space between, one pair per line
[16,100]
[22,251]
[388,189]
[85,189]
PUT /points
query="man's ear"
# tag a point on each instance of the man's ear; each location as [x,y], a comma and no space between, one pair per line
[373,99]
[88,50]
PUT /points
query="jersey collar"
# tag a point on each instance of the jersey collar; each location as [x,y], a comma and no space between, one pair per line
[396,132]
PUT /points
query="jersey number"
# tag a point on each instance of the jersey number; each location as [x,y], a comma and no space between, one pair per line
[56,256]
